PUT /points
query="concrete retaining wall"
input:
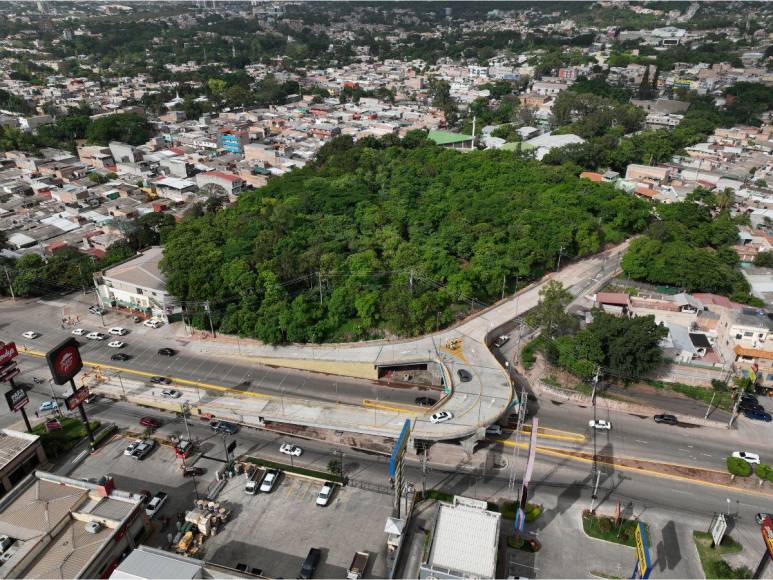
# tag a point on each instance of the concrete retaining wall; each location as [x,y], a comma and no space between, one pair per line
[359,370]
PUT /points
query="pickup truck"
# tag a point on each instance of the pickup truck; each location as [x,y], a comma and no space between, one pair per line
[357,567]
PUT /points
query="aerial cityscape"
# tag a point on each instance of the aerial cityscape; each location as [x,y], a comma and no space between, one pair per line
[386,289]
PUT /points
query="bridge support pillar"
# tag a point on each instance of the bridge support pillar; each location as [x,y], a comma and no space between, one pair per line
[469,442]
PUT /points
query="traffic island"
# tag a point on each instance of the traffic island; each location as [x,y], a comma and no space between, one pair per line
[60,435]
[619,531]
[711,557]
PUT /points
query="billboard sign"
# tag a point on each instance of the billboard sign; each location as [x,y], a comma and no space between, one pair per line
[398,451]
[64,361]
[767,534]
[16,398]
[8,371]
[8,352]
[718,529]
[77,398]
[643,564]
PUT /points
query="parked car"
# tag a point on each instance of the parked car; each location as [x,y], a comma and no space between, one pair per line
[251,487]
[118,331]
[310,564]
[160,380]
[79,331]
[599,424]
[501,341]
[31,334]
[153,323]
[141,451]
[95,309]
[132,446]
[96,335]
[325,493]
[747,456]
[426,401]
[441,416]
[171,393]
[290,449]
[167,351]
[666,419]
[191,471]
[223,427]
[464,375]
[155,504]
[494,430]
[122,356]
[758,415]
[150,422]
[47,406]
[269,481]
[116,344]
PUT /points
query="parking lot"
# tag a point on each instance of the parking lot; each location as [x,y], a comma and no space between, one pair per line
[275,531]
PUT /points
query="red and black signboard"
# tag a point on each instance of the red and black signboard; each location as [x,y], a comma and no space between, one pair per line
[8,371]
[76,398]
[64,361]
[8,352]
[16,398]
[767,534]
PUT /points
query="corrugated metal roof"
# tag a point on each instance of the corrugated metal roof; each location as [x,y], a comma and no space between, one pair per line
[149,563]
[11,446]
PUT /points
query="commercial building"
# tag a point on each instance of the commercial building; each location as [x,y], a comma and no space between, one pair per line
[233,139]
[137,285]
[146,563]
[68,528]
[465,541]
[20,454]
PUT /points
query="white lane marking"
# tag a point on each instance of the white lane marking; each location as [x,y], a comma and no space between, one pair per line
[640,441]
[78,457]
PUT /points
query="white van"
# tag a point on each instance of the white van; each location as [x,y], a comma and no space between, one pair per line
[494,430]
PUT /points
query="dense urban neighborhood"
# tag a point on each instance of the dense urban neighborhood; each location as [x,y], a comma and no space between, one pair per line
[495,276]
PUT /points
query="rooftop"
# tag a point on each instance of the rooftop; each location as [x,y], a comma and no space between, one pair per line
[12,443]
[141,270]
[447,137]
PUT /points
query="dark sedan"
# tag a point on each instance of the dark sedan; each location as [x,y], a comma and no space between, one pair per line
[758,415]
[160,381]
[464,375]
[167,351]
[122,356]
[426,401]
[150,422]
[666,419]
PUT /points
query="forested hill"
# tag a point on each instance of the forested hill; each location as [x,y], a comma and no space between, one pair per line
[387,237]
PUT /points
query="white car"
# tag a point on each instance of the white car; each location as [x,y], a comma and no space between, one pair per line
[290,449]
[251,487]
[152,323]
[325,493]
[500,341]
[132,446]
[95,336]
[31,334]
[441,416]
[116,344]
[155,504]
[119,331]
[599,424]
[171,394]
[79,331]
[752,458]
[269,481]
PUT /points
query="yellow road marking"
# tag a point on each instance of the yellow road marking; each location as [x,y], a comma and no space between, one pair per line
[571,437]
[412,409]
[569,455]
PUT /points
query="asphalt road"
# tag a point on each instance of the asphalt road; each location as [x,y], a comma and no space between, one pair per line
[143,343]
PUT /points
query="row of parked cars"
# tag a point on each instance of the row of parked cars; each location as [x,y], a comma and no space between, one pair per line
[269,480]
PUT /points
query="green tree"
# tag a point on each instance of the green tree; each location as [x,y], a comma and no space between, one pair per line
[738,467]
[550,314]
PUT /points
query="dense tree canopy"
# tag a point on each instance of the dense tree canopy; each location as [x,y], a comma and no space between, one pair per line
[387,237]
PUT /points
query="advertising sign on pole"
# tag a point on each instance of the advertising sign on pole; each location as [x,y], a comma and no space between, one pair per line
[77,398]
[396,462]
[643,562]
[8,352]
[718,529]
[8,371]
[16,398]
[767,534]
[64,361]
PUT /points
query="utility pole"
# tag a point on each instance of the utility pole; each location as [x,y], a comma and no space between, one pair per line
[424,472]
[410,282]
[596,471]
[504,278]
[209,315]
[706,416]
[734,413]
[319,280]
[560,253]
[10,286]
[185,408]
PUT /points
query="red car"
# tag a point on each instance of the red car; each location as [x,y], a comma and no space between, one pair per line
[151,422]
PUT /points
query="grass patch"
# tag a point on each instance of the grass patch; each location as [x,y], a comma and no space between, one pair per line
[60,441]
[105,434]
[299,470]
[437,495]
[605,528]
[711,558]
[721,400]
[529,352]
[509,511]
